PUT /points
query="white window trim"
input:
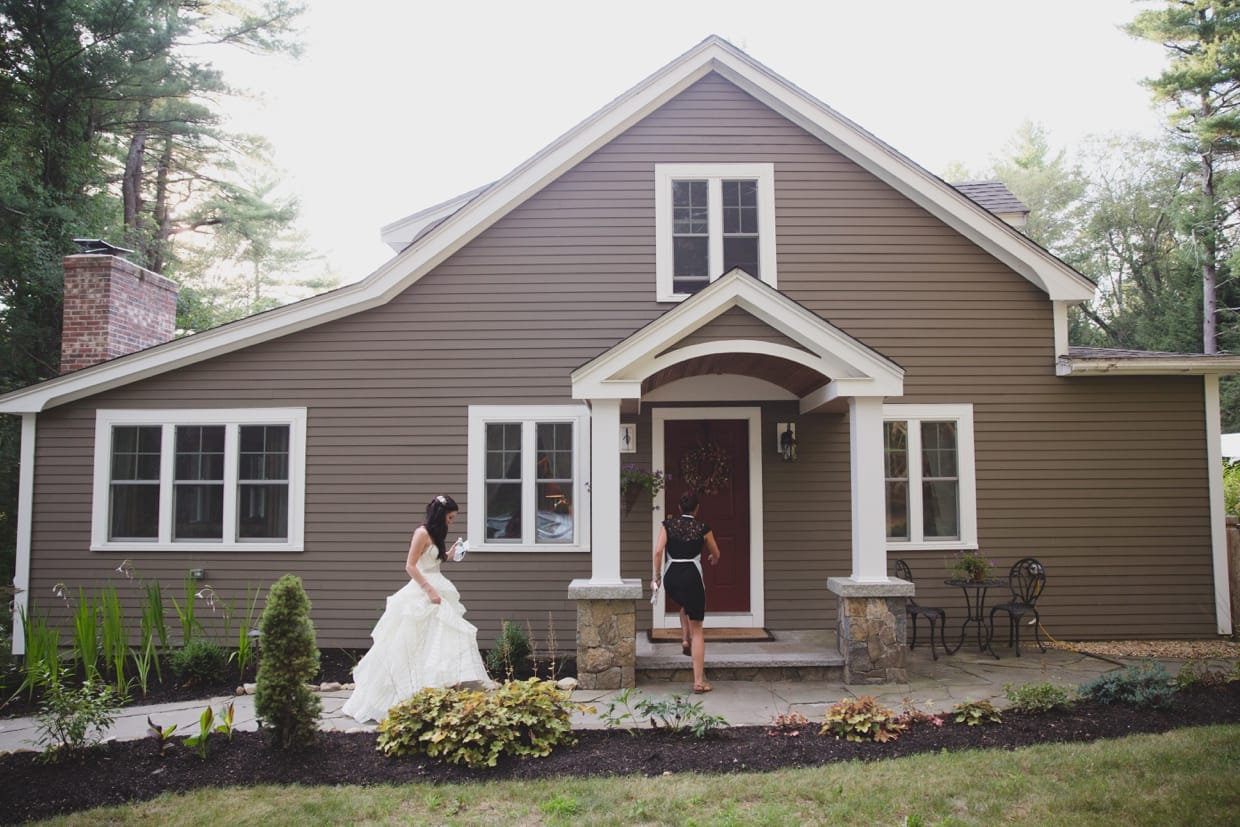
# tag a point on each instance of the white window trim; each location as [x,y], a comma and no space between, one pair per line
[962,415]
[105,420]
[714,174]
[528,416]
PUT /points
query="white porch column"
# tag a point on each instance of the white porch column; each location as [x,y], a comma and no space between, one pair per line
[605,492]
[25,512]
[869,514]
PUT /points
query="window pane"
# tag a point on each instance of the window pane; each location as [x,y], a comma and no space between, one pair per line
[200,452]
[742,252]
[135,511]
[503,511]
[262,512]
[897,510]
[503,451]
[264,452]
[895,463]
[198,512]
[134,490]
[690,256]
[940,510]
[938,449]
[135,453]
[740,207]
[554,483]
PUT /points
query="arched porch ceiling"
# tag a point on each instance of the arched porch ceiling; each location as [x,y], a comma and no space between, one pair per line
[792,377]
[803,353]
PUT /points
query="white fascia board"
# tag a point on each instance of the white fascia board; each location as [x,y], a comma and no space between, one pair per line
[400,233]
[190,349]
[829,350]
[1058,280]
[392,277]
[1148,366]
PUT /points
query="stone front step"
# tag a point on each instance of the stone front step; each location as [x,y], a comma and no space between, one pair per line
[791,656]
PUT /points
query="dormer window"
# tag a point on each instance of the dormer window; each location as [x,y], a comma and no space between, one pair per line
[711,219]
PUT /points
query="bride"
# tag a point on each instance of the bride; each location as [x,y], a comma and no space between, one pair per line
[423,638]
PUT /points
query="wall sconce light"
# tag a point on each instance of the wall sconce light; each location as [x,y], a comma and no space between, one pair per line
[786,441]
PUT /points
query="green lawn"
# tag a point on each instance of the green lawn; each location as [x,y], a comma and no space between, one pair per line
[1185,777]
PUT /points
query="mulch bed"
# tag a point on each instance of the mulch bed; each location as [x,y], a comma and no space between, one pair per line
[130,771]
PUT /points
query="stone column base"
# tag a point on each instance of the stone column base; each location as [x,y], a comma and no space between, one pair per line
[872,629]
[606,633]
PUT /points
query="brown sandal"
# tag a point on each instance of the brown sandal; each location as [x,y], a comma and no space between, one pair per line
[701,688]
[684,648]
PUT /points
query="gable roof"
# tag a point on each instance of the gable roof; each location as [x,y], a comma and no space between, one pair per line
[446,228]
[846,366]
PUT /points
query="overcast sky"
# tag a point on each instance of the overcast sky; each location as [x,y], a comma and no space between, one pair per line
[396,106]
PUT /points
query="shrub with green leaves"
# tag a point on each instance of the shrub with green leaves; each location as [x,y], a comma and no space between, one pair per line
[475,727]
[862,719]
[1037,697]
[976,713]
[73,718]
[1146,684]
[1200,673]
[199,663]
[287,710]
[509,655]
[677,713]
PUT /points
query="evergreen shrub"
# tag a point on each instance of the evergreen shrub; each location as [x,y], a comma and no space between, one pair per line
[287,710]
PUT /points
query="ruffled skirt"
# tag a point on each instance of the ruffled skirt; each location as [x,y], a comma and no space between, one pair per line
[416,644]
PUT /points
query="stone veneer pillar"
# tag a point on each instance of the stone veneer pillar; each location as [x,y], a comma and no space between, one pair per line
[872,629]
[606,633]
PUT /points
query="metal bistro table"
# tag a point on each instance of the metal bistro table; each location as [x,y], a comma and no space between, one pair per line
[975,611]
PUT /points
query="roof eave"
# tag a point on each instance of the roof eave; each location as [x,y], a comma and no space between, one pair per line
[1199,365]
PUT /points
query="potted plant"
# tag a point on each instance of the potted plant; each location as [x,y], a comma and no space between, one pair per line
[971,565]
[634,479]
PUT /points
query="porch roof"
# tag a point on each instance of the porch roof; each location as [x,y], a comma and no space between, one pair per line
[804,354]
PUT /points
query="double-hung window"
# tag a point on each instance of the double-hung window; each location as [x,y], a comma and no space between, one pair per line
[931,491]
[199,480]
[710,219]
[527,472]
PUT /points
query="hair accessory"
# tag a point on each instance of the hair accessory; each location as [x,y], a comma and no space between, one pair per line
[441,500]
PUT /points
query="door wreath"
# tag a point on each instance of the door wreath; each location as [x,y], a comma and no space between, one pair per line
[706,468]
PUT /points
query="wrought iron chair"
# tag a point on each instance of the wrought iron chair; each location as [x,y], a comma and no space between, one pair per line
[933,615]
[1026,580]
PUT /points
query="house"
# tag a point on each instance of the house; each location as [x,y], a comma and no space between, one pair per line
[710,267]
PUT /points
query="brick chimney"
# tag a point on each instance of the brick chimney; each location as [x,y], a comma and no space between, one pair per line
[112,307]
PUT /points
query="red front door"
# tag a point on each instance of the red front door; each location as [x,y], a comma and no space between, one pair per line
[725,511]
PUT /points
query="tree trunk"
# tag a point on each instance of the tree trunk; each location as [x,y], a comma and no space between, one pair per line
[1209,267]
[131,183]
[162,217]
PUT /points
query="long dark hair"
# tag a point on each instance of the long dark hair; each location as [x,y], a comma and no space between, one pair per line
[436,524]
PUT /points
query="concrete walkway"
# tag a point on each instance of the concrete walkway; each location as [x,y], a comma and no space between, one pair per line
[933,686]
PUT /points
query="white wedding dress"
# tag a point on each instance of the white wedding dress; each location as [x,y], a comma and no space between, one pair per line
[416,644]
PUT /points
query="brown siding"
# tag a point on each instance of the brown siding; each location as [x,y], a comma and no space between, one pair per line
[735,324]
[1101,478]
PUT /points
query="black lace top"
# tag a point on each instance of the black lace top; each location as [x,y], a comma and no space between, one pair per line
[685,536]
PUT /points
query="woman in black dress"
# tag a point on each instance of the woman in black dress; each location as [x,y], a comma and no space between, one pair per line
[683,538]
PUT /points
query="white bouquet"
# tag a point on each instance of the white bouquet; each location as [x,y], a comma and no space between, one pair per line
[460,549]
